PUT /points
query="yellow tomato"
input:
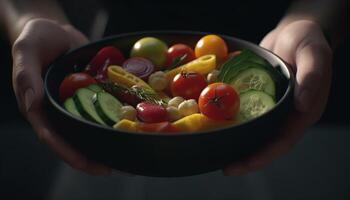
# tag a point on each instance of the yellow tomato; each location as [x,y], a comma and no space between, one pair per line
[211,44]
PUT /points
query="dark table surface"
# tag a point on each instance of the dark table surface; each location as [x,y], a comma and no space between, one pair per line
[317,168]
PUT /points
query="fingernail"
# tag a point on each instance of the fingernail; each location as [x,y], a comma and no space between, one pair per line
[28,98]
[304,100]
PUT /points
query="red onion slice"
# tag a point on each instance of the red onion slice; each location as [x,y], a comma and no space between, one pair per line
[140,67]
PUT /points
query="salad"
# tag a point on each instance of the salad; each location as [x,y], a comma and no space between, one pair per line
[169,90]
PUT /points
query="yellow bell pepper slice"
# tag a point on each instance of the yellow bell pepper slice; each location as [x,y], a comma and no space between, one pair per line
[126,125]
[118,75]
[199,122]
[203,65]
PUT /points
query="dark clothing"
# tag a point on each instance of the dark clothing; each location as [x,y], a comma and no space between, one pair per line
[249,20]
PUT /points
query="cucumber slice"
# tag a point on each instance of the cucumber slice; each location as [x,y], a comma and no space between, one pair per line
[254,103]
[95,88]
[69,105]
[254,78]
[108,107]
[83,99]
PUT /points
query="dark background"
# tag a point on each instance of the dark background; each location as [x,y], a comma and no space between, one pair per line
[316,169]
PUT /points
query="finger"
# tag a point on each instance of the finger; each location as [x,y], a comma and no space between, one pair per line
[291,133]
[313,61]
[77,38]
[268,42]
[32,50]
[65,151]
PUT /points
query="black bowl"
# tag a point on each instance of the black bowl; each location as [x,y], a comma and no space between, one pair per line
[160,154]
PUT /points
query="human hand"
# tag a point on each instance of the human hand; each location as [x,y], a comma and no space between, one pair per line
[39,43]
[302,44]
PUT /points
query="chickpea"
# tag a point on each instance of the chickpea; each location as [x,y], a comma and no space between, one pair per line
[188,107]
[173,113]
[158,81]
[175,101]
[212,77]
[128,112]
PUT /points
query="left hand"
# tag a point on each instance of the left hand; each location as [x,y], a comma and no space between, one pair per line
[302,44]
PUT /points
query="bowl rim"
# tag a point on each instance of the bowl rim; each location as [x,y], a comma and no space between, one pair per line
[250,45]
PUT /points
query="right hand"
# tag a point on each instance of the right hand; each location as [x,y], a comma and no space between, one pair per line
[39,43]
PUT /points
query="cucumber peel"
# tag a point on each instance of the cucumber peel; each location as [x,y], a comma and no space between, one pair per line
[108,107]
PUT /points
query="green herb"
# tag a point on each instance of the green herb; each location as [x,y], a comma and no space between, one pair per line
[176,61]
[139,92]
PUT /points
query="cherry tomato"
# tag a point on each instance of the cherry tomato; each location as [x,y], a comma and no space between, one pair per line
[177,51]
[151,113]
[106,56]
[219,101]
[73,82]
[188,85]
[165,127]
[151,48]
[211,44]
[233,54]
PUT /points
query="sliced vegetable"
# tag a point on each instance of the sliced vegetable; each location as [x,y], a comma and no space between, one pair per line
[127,125]
[199,122]
[188,85]
[233,65]
[83,100]
[202,65]
[95,88]
[119,75]
[73,82]
[254,78]
[151,48]
[255,103]
[69,105]
[139,67]
[219,101]
[107,107]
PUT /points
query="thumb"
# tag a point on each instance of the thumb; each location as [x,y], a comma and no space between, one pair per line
[31,52]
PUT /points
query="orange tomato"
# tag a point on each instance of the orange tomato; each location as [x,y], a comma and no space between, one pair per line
[211,44]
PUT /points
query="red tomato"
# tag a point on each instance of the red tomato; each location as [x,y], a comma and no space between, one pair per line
[151,113]
[177,51]
[165,127]
[233,54]
[73,82]
[106,56]
[219,101]
[188,85]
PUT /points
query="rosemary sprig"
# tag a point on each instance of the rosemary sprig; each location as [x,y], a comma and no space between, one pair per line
[139,92]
